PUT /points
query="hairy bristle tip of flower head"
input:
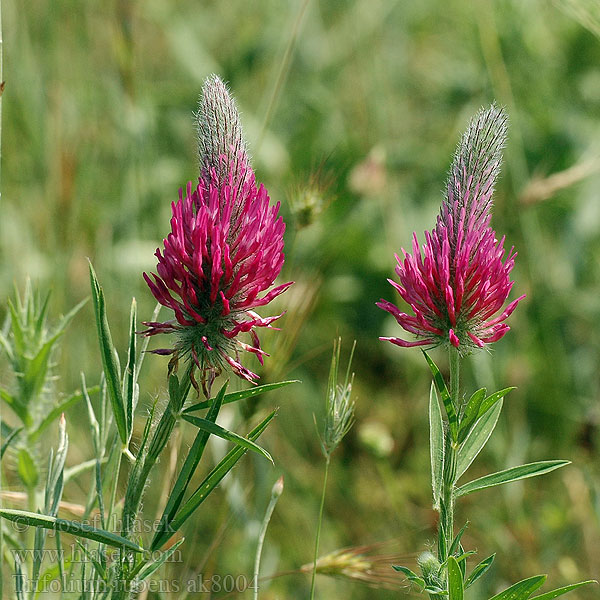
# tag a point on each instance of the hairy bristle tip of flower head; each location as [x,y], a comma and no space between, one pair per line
[457,282]
[222,149]
[224,252]
[476,167]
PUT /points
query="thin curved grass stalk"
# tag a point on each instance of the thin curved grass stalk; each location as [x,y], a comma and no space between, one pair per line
[319,524]
[275,495]
[285,61]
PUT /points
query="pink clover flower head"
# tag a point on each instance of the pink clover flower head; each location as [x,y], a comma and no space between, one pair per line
[224,252]
[458,281]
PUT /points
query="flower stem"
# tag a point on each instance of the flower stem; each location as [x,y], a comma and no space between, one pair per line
[446,525]
[318,537]
[454,377]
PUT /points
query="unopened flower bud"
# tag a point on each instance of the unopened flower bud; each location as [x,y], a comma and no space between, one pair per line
[430,566]
[277,488]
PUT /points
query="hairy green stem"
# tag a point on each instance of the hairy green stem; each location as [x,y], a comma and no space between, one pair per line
[451,453]
[455,377]
[446,523]
[318,536]
[146,459]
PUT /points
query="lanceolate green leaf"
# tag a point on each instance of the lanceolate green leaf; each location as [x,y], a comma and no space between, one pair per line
[210,483]
[455,580]
[242,395]
[456,541]
[411,576]
[436,446]
[42,314]
[34,375]
[440,385]
[129,376]
[471,414]
[477,439]
[4,345]
[187,470]
[36,371]
[17,330]
[225,434]
[479,570]
[563,590]
[435,591]
[512,474]
[109,362]
[492,399]
[521,590]
[73,527]
[17,406]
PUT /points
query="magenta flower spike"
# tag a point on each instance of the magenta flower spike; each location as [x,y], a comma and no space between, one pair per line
[224,252]
[457,283]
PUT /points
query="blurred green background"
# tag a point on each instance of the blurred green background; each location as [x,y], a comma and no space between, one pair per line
[352,110]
